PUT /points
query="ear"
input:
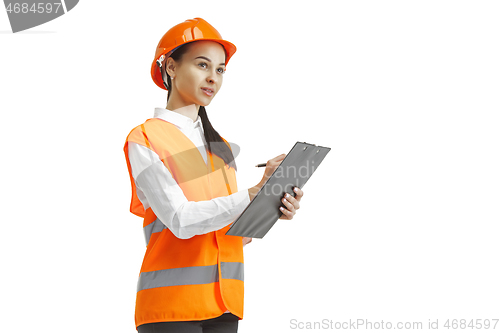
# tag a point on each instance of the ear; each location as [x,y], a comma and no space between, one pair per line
[170,66]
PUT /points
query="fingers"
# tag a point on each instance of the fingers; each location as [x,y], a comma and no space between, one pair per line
[291,204]
[273,163]
[298,193]
[278,158]
[287,215]
[290,209]
[271,166]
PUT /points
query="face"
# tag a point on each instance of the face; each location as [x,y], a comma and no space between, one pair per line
[197,75]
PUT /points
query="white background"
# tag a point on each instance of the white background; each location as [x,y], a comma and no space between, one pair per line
[399,223]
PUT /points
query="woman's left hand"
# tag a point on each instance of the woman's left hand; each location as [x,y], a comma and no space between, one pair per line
[291,204]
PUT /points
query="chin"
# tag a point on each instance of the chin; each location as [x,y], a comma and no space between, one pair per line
[205,103]
[205,100]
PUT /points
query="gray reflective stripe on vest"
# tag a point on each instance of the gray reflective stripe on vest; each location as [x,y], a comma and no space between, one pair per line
[178,277]
[156,226]
[189,275]
[232,270]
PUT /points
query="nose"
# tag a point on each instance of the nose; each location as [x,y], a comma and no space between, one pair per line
[212,78]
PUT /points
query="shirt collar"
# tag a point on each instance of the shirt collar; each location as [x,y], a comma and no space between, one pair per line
[179,120]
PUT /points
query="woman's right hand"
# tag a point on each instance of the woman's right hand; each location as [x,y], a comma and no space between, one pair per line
[271,166]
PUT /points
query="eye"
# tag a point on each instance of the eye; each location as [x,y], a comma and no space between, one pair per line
[221,70]
[203,64]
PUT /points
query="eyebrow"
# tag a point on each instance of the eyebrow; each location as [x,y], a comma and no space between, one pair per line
[202,57]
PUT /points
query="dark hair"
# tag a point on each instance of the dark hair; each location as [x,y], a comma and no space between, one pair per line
[216,145]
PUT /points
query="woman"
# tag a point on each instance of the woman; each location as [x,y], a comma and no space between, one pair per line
[183,181]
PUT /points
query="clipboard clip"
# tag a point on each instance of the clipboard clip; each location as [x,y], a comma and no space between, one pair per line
[317,151]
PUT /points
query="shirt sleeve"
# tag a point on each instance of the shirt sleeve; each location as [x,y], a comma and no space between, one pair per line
[156,188]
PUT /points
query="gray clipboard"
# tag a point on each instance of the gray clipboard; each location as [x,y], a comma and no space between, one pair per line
[263,211]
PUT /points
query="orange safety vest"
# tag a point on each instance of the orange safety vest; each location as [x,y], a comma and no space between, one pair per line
[186,279]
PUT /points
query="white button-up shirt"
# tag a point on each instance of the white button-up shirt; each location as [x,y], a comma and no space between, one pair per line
[156,188]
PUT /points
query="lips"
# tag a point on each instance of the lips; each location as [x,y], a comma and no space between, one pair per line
[208,91]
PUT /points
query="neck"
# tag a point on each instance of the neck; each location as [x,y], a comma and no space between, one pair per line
[190,111]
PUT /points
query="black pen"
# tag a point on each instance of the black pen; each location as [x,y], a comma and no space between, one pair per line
[261,165]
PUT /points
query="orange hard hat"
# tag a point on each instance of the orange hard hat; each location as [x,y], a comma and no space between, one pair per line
[186,32]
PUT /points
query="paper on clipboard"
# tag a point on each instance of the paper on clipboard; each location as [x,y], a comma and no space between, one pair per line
[263,211]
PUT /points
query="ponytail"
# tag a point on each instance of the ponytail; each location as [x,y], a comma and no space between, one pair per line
[216,145]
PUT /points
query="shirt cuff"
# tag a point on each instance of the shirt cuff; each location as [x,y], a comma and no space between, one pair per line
[241,200]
